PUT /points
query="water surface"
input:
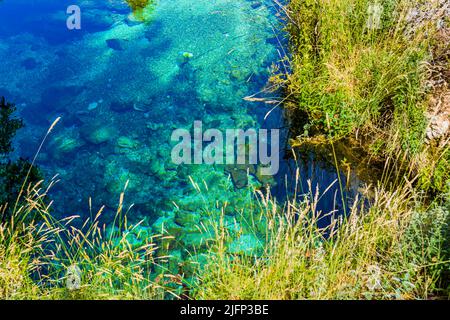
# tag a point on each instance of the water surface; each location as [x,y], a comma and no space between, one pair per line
[122,87]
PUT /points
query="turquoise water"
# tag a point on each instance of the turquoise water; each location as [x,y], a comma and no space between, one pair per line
[121,87]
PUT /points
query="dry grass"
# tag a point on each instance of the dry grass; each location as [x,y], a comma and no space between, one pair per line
[76,259]
[387,248]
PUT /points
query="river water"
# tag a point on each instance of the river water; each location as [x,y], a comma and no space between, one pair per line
[121,86]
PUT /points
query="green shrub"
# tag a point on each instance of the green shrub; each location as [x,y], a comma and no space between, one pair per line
[14,175]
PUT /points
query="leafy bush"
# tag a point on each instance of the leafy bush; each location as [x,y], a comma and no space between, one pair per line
[14,175]
[8,126]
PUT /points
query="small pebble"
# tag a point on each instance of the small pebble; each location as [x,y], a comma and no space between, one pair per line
[92,106]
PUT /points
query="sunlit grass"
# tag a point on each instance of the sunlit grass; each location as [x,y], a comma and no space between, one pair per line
[38,259]
[389,247]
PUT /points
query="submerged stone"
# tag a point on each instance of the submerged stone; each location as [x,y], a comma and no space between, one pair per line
[196,240]
[29,63]
[115,44]
[239,174]
[92,106]
[65,142]
[97,135]
[264,179]
[194,262]
[166,225]
[132,21]
[127,143]
[188,218]
[68,144]
[184,58]
[246,244]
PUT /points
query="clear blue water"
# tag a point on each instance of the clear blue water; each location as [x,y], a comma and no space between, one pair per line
[121,88]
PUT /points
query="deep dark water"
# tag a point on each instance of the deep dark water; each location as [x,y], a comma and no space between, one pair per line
[122,87]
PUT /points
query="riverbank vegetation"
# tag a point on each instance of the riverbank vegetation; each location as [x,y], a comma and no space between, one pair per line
[374,73]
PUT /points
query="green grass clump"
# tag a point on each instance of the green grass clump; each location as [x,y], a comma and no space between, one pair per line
[354,76]
[393,249]
[73,259]
[349,76]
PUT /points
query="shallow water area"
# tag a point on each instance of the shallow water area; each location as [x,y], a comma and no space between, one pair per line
[121,86]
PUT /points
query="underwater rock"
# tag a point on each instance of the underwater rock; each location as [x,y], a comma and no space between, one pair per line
[196,240]
[184,218]
[29,63]
[131,20]
[166,225]
[236,74]
[239,174]
[194,262]
[97,135]
[157,168]
[66,142]
[175,260]
[240,74]
[246,244]
[143,232]
[92,106]
[230,223]
[188,203]
[154,126]
[131,240]
[140,156]
[264,179]
[138,236]
[115,178]
[127,143]
[116,44]
[100,135]
[184,58]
